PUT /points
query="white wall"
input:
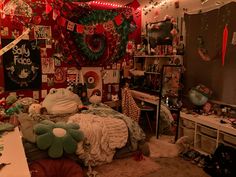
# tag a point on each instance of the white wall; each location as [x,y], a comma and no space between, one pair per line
[168,8]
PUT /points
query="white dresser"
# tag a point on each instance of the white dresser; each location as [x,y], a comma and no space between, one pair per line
[13,153]
[206,131]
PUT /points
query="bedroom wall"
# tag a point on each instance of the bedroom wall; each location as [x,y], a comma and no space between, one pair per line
[63,69]
[217,77]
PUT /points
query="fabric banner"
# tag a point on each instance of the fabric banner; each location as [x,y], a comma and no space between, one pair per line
[22,66]
[13,43]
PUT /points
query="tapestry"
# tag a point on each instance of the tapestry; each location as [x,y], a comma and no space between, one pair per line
[22,66]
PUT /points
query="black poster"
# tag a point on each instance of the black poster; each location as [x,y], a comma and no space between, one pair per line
[22,66]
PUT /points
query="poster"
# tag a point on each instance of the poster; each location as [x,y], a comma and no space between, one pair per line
[22,66]
[93,80]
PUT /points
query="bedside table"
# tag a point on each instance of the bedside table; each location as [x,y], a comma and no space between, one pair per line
[114,104]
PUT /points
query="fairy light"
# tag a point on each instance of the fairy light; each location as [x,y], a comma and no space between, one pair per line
[106,4]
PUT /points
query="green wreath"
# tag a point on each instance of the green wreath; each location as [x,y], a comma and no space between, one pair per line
[96,17]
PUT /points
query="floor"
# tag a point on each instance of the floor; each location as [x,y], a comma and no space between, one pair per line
[177,167]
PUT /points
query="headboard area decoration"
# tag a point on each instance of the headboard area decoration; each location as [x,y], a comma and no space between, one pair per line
[210,52]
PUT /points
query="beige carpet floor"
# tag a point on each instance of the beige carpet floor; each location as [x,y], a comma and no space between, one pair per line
[151,167]
[128,167]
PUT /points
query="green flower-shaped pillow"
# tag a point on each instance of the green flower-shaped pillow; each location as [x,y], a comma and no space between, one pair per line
[57,137]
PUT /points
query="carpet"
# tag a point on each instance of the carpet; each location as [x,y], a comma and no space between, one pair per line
[127,167]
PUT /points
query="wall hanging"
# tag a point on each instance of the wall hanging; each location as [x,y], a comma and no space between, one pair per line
[22,66]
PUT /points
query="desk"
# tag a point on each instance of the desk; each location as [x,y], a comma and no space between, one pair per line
[146,97]
[13,153]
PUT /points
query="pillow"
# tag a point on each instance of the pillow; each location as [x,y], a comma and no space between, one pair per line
[61,101]
[58,137]
[55,167]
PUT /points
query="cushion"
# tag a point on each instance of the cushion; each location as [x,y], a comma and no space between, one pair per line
[55,168]
[58,137]
[61,101]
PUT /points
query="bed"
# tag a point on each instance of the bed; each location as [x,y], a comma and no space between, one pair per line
[106,131]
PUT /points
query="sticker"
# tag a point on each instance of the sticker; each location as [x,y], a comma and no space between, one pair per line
[36,95]
[43,93]
[51,82]
[42,32]
[48,66]
[60,75]
[44,78]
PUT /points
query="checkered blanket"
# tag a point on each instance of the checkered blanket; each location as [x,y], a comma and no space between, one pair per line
[129,106]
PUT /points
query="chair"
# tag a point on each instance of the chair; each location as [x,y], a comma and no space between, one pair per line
[146,110]
[133,109]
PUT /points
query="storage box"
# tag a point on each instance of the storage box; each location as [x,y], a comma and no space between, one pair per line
[208,144]
[188,123]
[207,131]
[230,139]
[188,132]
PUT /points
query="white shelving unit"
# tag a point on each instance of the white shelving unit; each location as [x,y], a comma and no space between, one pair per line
[206,131]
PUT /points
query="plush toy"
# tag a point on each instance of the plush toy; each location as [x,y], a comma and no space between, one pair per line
[58,137]
[61,101]
[36,108]
[95,97]
[14,109]
[11,99]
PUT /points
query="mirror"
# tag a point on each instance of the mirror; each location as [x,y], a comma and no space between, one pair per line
[170,102]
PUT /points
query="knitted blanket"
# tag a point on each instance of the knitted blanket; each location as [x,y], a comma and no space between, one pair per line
[103,134]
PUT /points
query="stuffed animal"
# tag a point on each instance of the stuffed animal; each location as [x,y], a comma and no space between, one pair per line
[61,101]
[58,137]
[11,99]
[95,97]
[35,108]
[114,97]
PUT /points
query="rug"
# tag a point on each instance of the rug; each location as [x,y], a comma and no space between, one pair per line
[127,167]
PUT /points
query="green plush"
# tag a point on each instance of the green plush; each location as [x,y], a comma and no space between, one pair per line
[58,137]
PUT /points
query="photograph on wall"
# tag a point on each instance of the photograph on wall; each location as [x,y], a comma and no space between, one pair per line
[48,66]
[42,32]
[93,80]
[22,66]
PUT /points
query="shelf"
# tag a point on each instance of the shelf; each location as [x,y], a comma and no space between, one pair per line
[154,56]
[148,72]
[208,131]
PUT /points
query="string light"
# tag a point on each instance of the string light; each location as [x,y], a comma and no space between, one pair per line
[106,4]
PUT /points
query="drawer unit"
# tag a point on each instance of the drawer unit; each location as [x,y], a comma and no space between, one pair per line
[228,138]
[188,123]
[188,132]
[207,131]
[206,144]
